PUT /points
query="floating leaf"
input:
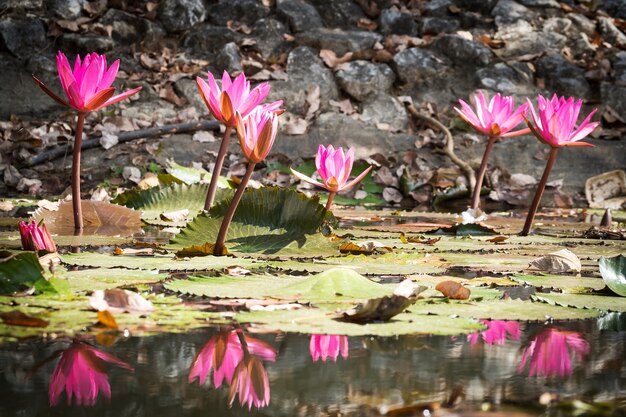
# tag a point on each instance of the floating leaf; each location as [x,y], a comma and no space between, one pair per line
[601,303]
[365,248]
[566,283]
[560,261]
[378,309]
[453,290]
[470,229]
[613,271]
[99,218]
[17,318]
[199,250]
[118,301]
[249,286]
[498,239]
[20,272]
[107,320]
[191,175]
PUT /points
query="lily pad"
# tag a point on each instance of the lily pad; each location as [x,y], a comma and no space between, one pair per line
[598,302]
[22,271]
[191,175]
[613,271]
[249,286]
[567,283]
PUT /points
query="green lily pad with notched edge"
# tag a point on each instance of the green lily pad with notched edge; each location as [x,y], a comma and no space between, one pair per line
[566,283]
[22,271]
[613,271]
[592,301]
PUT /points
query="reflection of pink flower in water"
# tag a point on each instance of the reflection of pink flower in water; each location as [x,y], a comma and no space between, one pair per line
[82,371]
[324,346]
[237,365]
[549,353]
[496,333]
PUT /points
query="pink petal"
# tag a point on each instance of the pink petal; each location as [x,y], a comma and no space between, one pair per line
[120,97]
[305,178]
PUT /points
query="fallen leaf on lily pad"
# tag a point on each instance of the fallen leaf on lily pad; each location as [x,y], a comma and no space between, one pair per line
[560,261]
[613,271]
[175,216]
[118,301]
[133,252]
[453,290]
[199,250]
[107,320]
[421,240]
[498,239]
[17,318]
[366,248]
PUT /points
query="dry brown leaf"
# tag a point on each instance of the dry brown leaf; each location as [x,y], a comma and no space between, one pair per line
[560,261]
[607,190]
[133,252]
[498,239]
[312,101]
[378,309]
[175,216]
[199,250]
[344,106]
[331,59]
[107,320]
[365,23]
[453,290]
[17,318]
[295,125]
[117,300]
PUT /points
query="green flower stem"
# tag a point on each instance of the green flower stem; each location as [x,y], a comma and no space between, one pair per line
[78,139]
[329,202]
[217,170]
[228,218]
[540,188]
[481,173]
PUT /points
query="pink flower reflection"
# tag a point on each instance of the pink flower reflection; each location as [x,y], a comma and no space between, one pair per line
[324,346]
[549,353]
[496,333]
[82,371]
[236,365]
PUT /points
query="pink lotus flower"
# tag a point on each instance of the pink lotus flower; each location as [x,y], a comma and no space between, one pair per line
[496,119]
[234,97]
[82,371]
[257,133]
[496,333]
[222,353]
[88,85]
[555,125]
[549,353]
[323,346]
[250,383]
[36,237]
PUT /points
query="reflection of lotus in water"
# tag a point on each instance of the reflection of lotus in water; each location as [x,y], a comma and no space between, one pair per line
[324,346]
[496,333]
[236,360]
[82,371]
[549,353]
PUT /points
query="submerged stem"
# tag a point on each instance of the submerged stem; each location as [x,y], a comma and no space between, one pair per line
[78,212]
[539,192]
[217,170]
[329,202]
[481,173]
[228,218]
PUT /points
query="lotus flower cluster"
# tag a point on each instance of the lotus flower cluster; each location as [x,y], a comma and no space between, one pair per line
[236,360]
[82,373]
[549,353]
[35,237]
[497,332]
[324,346]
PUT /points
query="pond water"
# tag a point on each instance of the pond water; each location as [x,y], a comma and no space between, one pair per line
[512,368]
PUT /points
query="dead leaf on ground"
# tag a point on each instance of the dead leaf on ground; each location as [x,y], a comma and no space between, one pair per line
[118,301]
[560,261]
[331,59]
[453,290]
[294,125]
[17,318]
[312,101]
[607,190]
[344,106]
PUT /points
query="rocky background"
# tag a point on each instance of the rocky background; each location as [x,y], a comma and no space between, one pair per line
[346,70]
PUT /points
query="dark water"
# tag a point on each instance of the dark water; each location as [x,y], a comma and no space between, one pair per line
[417,374]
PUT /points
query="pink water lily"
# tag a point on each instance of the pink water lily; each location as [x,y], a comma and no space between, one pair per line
[324,346]
[497,332]
[549,353]
[334,168]
[88,85]
[250,383]
[497,118]
[257,133]
[36,237]
[82,372]
[555,122]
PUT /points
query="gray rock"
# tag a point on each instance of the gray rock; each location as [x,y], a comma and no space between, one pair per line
[363,79]
[304,69]
[299,14]
[129,29]
[480,6]
[529,43]
[582,23]
[506,80]
[398,23]
[383,109]
[338,40]
[20,95]
[611,33]
[20,5]
[270,41]
[66,9]
[437,25]
[462,51]
[540,3]
[228,58]
[509,11]
[415,64]
[581,47]
[244,11]
[614,96]
[338,13]
[615,8]
[78,43]
[179,15]
[561,25]
[562,77]
[438,8]
[188,89]
[619,67]
[204,40]
[23,37]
